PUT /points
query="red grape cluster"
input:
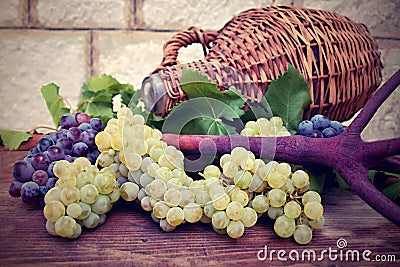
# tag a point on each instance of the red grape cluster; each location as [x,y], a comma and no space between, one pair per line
[33,176]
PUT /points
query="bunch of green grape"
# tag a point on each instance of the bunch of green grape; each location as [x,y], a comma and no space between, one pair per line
[274,189]
[264,127]
[82,196]
[137,165]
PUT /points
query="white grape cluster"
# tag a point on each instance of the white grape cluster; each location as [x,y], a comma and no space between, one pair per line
[277,191]
[81,197]
[135,164]
[148,170]
[231,198]
[265,127]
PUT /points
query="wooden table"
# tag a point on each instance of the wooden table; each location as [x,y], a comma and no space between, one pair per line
[130,238]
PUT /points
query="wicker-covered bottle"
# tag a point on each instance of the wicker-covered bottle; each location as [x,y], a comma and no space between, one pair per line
[338,57]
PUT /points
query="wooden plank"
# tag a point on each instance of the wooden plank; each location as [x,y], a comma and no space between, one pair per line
[129,237]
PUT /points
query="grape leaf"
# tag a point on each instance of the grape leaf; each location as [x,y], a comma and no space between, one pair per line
[54,102]
[201,115]
[102,96]
[120,87]
[257,110]
[126,97]
[341,182]
[207,126]
[100,82]
[392,191]
[288,96]
[189,76]
[195,84]
[13,139]
[318,174]
[98,109]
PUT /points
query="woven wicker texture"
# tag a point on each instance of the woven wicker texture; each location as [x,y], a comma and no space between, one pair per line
[338,57]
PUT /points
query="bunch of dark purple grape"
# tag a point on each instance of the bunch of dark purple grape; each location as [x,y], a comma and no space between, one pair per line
[320,126]
[33,176]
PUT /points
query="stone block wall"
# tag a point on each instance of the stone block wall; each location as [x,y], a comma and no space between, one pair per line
[67,42]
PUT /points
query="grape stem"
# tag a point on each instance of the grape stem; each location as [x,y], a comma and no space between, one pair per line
[66,101]
[347,153]
[84,102]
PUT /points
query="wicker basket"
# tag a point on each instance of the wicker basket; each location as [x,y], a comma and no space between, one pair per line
[338,58]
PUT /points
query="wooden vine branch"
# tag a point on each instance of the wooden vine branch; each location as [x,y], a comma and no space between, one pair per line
[347,153]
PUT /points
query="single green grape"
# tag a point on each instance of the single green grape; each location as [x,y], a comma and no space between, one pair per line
[192,212]
[260,203]
[292,209]
[234,210]
[302,234]
[175,216]
[65,226]
[277,197]
[53,210]
[313,210]
[249,217]
[235,229]
[220,220]
[284,226]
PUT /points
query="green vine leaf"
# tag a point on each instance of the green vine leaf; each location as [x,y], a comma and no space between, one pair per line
[101,82]
[195,85]
[392,191]
[102,96]
[191,76]
[201,115]
[54,102]
[341,182]
[288,96]
[318,174]
[98,109]
[13,139]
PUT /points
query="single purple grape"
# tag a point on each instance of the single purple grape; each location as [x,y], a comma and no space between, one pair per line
[55,153]
[15,189]
[28,158]
[88,137]
[51,182]
[95,152]
[337,126]
[44,143]
[329,132]
[40,161]
[33,150]
[85,126]
[29,191]
[80,149]
[67,121]
[40,177]
[74,134]
[69,158]
[22,171]
[50,169]
[53,136]
[81,117]
[315,134]
[61,133]
[91,157]
[320,122]
[97,124]
[66,144]
[305,127]
[121,180]
[43,190]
